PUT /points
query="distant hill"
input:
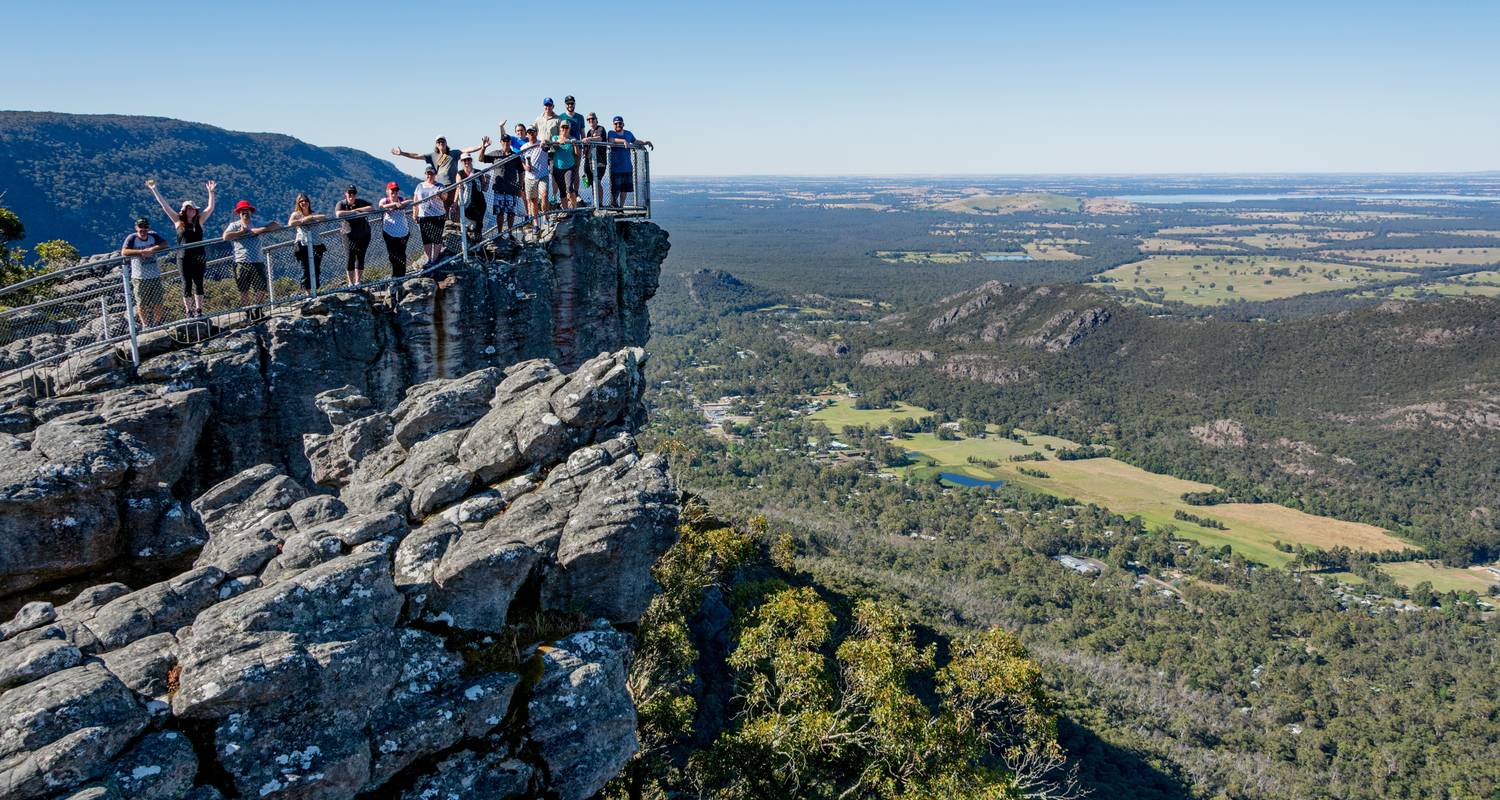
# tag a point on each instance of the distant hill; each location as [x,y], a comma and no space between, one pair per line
[82,177]
[720,292]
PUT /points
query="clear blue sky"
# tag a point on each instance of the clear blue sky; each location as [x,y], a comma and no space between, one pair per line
[808,87]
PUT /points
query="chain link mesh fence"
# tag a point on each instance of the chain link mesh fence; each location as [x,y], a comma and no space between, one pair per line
[81,312]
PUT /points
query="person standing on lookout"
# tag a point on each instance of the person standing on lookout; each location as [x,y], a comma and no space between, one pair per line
[395,229]
[430,215]
[595,157]
[444,162]
[471,196]
[546,125]
[301,217]
[145,276]
[620,162]
[565,157]
[193,262]
[572,117]
[506,180]
[352,210]
[249,264]
[538,172]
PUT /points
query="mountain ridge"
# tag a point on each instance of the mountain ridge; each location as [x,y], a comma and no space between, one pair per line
[80,177]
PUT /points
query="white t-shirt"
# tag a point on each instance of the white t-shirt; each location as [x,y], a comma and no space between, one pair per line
[394,222]
[428,202]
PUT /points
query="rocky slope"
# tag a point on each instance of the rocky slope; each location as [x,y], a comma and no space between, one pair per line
[327,645]
[99,462]
[433,599]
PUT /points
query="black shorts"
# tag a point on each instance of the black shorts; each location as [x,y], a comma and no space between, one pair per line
[432,229]
[621,181]
[565,180]
[250,276]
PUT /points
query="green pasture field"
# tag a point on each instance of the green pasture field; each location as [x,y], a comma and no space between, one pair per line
[1442,578]
[1253,528]
[1212,280]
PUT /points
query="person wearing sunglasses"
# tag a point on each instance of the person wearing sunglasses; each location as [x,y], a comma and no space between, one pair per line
[595,157]
[301,217]
[249,263]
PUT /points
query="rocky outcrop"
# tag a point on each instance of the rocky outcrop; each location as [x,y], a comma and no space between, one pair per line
[364,635]
[896,358]
[96,462]
[985,369]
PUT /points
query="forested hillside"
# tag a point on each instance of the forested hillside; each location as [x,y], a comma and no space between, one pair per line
[82,177]
[1384,414]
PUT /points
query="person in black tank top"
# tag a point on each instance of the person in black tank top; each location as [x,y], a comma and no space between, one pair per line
[193,262]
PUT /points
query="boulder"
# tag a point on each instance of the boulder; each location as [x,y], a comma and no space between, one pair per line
[467,774]
[580,715]
[64,729]
[31,615]
[37,660]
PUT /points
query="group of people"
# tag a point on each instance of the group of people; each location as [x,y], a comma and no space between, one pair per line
[558,154]
[538,169]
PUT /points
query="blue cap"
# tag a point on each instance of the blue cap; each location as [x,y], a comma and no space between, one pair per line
[619,119]
[547,101]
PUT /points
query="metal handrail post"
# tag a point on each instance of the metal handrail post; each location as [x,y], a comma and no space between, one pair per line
[135,353]
[313,268]
[267,256]
[103,319]
[645,186]
[463,223]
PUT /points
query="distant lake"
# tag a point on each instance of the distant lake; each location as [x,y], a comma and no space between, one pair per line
[965,480]
[1006,257]
[1171,199]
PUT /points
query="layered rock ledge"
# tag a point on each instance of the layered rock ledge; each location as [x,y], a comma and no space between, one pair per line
[98,462]
[365,632]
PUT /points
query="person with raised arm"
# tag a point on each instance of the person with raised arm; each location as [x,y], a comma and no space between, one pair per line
[301,217]
[395,228]
[145,276]
[353,210]
[621,181]
[430,214]
[444,161]
[505,180]
[249,263]
[193,263]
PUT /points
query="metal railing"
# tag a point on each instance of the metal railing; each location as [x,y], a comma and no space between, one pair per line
[96,304]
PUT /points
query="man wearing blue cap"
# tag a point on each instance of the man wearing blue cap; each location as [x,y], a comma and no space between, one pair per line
[547,124]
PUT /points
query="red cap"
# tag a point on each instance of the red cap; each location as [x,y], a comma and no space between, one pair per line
[244,205]
[393,185]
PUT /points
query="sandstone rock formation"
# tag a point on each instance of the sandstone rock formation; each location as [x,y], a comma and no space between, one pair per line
[136,447]
[368,522]
[328,646]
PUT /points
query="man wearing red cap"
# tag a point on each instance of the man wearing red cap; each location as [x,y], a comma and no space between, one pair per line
[249,264]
